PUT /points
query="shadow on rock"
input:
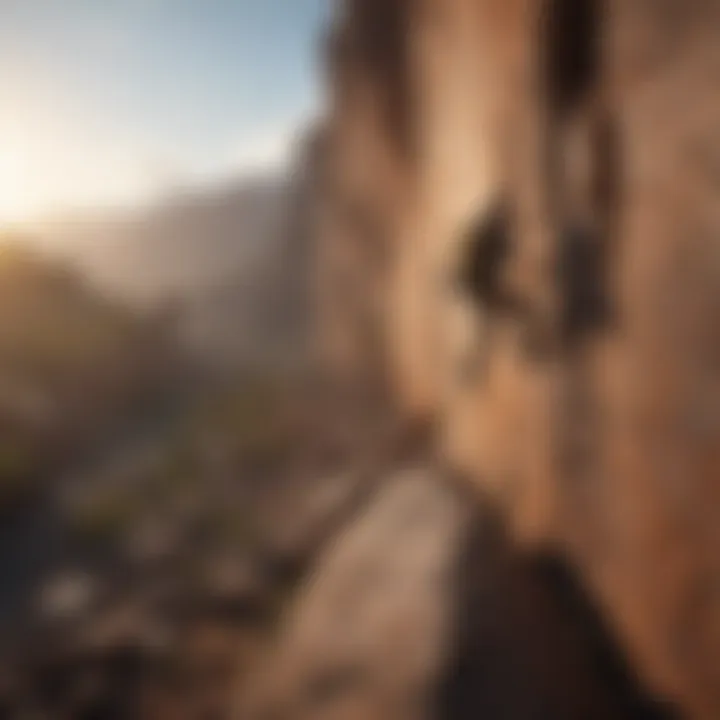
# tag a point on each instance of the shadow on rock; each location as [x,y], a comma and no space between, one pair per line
[528,643]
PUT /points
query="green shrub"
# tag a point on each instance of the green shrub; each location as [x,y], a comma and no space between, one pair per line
[106,518]
[16,473]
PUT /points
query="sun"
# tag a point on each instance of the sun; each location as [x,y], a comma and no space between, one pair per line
[17,203]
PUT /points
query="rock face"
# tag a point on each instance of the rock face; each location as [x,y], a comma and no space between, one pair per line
[535,181]
[352,638]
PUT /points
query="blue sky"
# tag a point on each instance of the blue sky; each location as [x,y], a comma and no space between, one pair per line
[106,101]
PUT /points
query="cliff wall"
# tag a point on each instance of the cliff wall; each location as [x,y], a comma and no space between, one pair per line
[518,239]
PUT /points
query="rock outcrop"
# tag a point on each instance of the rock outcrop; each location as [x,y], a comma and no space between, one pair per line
[421,608]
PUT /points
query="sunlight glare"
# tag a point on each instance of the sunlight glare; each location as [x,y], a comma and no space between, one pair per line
[16,201]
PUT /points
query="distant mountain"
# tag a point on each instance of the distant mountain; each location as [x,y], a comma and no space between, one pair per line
[229,255]
[190,241]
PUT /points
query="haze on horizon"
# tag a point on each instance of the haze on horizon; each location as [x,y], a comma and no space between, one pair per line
[112,102]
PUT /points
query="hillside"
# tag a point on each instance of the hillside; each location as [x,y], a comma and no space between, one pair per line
[188,240]
[222,254]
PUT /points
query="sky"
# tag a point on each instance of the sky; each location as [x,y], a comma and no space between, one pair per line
[110,102]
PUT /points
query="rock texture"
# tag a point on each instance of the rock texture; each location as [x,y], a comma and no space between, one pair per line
[537,180]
